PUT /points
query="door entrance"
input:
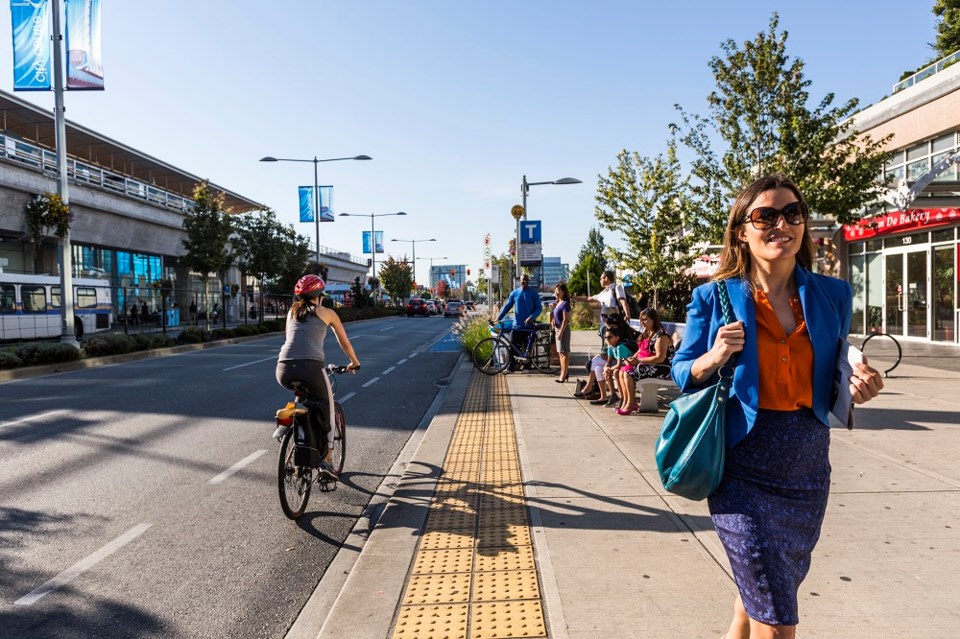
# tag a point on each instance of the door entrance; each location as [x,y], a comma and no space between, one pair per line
[906,285]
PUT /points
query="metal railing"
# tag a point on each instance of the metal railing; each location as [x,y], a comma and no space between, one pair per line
[927,71]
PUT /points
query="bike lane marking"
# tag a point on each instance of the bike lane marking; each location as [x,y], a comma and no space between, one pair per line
[81,566]
[345,397]
[246,461]
[372,381]
[401,361]
[389,328]
[250,363]
[387,372]
[32,418]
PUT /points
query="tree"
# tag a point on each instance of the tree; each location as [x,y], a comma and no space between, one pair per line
[644,200]
[208,229]
[948,26]
[760,110]
[591,263]
[396,277]
[361,296]
[442,289]
[296,256]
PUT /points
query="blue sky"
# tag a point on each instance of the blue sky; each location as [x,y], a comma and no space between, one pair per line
[455,101]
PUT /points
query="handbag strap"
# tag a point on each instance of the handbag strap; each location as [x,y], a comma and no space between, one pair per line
[728,318]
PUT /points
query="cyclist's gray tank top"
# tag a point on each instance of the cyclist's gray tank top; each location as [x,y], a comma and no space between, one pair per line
[304,339]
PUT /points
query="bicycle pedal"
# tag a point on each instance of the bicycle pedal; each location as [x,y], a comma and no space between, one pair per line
[327,485]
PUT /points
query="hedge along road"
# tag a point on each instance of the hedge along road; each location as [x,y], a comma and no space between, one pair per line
[139,499]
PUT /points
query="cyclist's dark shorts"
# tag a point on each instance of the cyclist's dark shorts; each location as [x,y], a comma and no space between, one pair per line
[310,371]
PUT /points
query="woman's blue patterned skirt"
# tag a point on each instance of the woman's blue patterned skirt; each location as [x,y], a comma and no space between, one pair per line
[769,507]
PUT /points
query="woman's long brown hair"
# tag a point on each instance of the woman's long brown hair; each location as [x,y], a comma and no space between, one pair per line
[735,259]
[303,307]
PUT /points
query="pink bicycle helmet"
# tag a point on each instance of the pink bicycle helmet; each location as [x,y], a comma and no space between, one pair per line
[309,286]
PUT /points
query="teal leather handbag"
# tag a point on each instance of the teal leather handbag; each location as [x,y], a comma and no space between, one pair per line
[692,443]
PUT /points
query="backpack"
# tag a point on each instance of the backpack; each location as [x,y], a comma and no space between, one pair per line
[633,305]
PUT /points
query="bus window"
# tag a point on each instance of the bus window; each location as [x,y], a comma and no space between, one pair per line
[54,297]
[8,300]
[86,297]
[34,299]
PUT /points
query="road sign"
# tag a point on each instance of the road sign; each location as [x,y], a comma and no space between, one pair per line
[516,211]
[531,254]
[530,232]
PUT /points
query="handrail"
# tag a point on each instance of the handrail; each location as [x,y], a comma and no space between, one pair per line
[927,71]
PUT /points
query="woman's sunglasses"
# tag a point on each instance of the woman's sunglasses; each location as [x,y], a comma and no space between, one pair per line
[766,217]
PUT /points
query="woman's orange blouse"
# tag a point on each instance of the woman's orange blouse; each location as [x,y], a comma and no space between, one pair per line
[786,362]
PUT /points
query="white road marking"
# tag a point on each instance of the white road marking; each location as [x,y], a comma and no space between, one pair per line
[246,461]
[387,372]
[389,328]
[414,354]
[250,363]
[81,566]
[372,381]
[49,413]
[345,397]
[401,361]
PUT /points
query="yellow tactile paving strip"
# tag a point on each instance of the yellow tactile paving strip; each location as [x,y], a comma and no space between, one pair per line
[474,575]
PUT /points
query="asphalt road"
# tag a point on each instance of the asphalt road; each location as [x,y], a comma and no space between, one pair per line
[110,525]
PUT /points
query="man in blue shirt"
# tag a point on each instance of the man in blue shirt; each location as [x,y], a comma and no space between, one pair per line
[526,306]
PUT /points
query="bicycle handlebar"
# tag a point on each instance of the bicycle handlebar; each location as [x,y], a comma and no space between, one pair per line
[339,369]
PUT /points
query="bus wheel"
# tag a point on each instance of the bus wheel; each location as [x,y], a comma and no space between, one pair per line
[77,327]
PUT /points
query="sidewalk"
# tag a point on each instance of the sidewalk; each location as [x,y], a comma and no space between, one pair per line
[614,555]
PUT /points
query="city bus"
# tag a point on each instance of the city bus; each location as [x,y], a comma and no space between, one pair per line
[30,306]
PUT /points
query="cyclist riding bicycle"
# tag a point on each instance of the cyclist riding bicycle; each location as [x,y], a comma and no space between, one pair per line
[301,356]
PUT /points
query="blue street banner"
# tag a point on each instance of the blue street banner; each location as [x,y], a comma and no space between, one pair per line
[326,204]
[366,241]
[84,50]
[32,69]
[306,203]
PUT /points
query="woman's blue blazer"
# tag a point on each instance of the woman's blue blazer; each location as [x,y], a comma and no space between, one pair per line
[827,306]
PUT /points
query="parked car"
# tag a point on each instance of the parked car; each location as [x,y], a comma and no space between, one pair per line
[454,308]
[417,306]
[548,300]
[468,305]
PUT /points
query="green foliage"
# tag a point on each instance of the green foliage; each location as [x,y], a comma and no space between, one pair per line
[108,344]
[9,359]
[583,317]
[47,211]
[273,253]
[195,335]
[37,353]
[245,330]
[948,26]
[208,229]
[760,110]
[148,341]
[361,296]
[396,277]
[643,199]
[470,330]
[591,263]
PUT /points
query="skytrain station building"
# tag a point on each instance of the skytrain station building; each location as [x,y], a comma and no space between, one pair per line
[128,210]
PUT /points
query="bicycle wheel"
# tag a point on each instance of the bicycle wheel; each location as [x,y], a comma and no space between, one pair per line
[292,480]
[491,356]
[541,358]
[339,439]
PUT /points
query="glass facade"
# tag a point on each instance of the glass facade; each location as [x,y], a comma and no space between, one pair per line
[920,158]
[130,274]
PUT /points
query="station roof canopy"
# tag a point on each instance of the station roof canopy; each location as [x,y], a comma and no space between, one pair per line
[37,125]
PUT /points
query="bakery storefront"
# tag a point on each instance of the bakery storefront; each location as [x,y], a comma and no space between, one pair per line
[904,269]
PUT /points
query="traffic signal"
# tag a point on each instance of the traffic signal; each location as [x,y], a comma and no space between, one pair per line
[453,272]
[468,271]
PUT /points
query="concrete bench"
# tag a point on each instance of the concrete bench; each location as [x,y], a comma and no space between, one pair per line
[649,387]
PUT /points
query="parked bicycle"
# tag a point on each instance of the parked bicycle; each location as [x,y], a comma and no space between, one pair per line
[497,354]
[302,446]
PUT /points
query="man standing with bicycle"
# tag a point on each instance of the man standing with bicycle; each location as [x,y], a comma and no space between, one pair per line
[526,306]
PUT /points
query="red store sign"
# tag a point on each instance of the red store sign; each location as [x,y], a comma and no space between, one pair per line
[899,222]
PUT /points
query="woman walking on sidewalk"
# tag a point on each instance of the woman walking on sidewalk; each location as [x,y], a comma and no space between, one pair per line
[770,505]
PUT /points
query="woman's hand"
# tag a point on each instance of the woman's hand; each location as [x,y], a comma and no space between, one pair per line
[865,383]
[730,340]
[353,366]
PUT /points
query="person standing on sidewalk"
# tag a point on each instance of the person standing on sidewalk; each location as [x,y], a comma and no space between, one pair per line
[613,300]
[561,323]
[526,306]
[770,505]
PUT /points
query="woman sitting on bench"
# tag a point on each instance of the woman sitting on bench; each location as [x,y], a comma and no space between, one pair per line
[652,360]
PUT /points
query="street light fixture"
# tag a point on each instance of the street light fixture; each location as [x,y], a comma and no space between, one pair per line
[316,185]
[524,189]
[431,266]
[373,235]
[413,243]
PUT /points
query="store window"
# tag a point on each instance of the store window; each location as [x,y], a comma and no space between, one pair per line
[859,284]
[874,293]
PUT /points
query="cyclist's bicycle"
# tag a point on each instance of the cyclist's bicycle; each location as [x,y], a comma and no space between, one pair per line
[498,353]
[294,424]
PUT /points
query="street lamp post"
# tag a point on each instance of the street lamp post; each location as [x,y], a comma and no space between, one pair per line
[316,185]
[431,266]
[413,243]
[524,189]
[373,236]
